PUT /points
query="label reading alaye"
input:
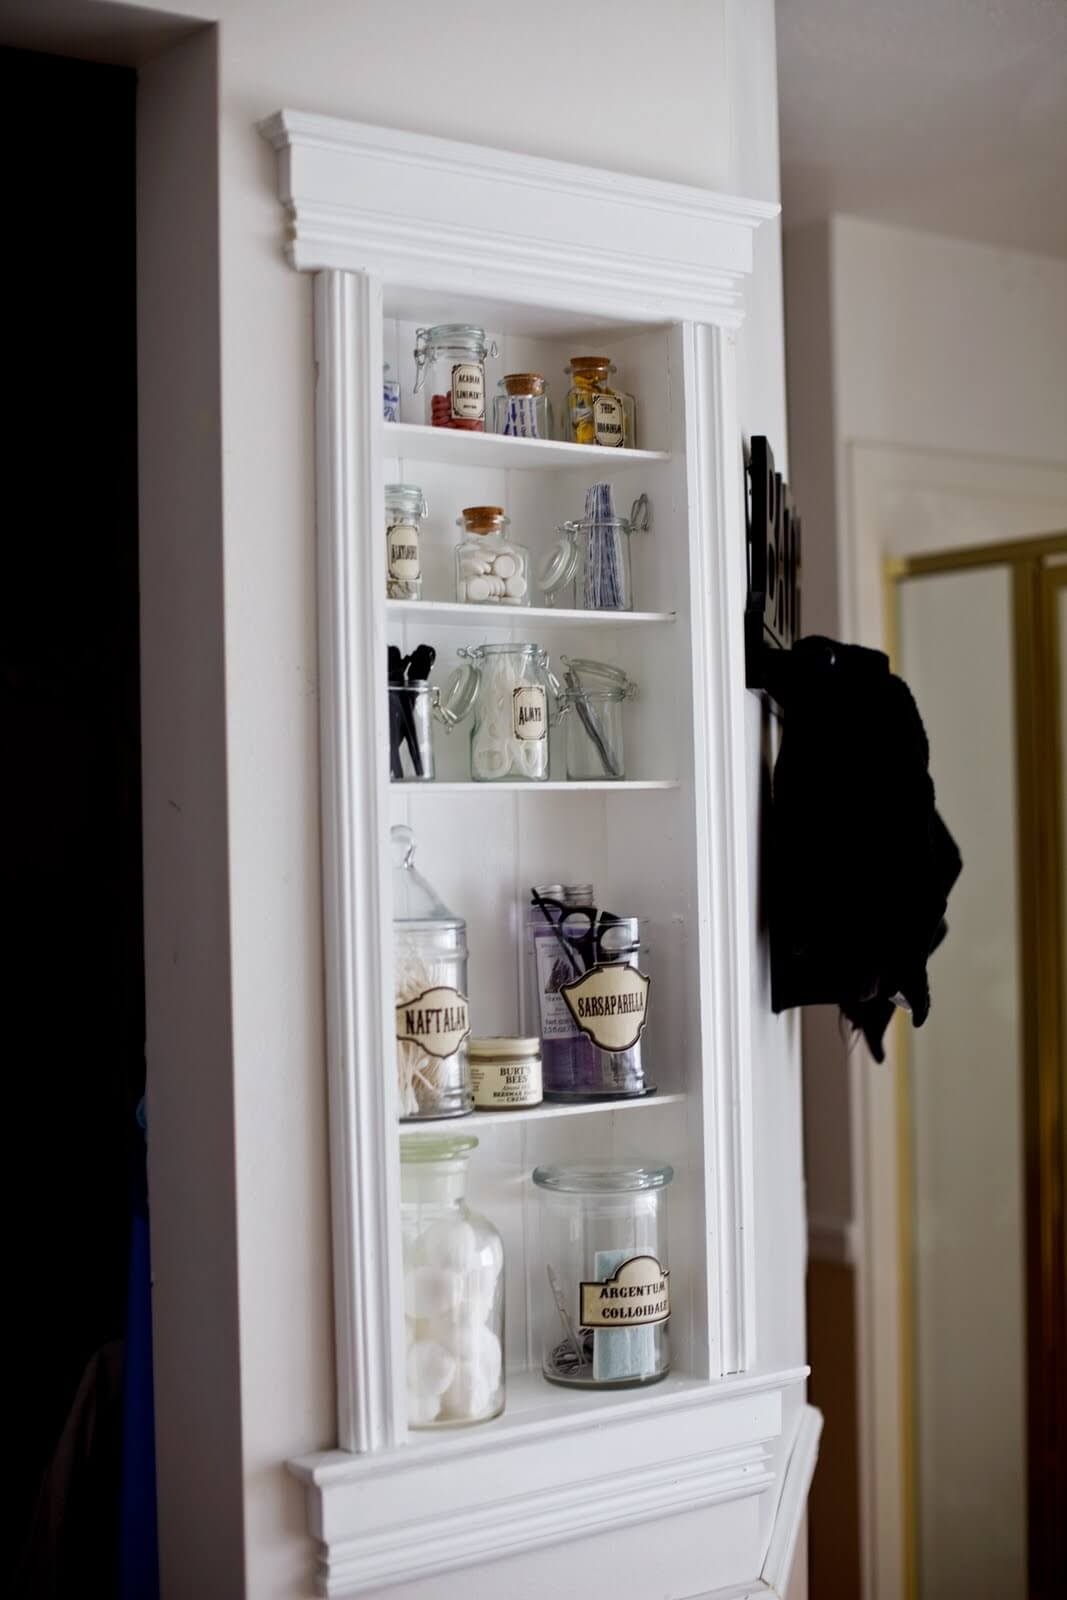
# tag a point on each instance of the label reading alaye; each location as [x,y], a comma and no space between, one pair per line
[608,421]
[529,713]
[437,1020]
[468,391]
[610,1004]
[403,551]
[637,1295]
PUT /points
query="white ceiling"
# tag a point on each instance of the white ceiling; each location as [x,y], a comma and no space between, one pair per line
[947,115]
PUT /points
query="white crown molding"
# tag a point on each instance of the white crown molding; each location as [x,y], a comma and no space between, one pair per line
[457,218]
[389,1520]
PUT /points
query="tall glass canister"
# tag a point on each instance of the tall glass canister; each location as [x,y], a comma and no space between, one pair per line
[604,1306]
[453,1288]
[405,507]
[432,1014]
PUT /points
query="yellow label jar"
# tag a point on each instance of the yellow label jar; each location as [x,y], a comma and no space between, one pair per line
[595,412]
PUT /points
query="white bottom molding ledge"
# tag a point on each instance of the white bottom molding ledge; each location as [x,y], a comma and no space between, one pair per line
[547,1475]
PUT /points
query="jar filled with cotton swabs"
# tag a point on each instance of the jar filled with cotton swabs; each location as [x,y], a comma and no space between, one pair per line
[432,1013]
[591,700]
[506,689]
[590,566]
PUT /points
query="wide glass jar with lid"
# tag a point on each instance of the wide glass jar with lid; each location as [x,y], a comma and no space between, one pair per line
[491,569]
[521,409]
[432,1013]
[453,1288]
[405,507]
[605,1304]
[450,368]
[591,702]
[506,689]
[596,412]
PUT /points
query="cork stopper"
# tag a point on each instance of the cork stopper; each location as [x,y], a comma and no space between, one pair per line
[483,519]
[590,366]
[524,383]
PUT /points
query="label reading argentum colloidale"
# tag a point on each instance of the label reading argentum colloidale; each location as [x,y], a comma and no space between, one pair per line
[437,1020]
[468,391]
[610,1004]
[637,1294]
[403,551]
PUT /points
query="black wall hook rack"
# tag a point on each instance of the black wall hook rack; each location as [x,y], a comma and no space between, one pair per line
[772,609]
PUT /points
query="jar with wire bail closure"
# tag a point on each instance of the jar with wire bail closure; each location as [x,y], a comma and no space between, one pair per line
[590,567]
[405,508]
[508,690]
[591,700]
[450,367]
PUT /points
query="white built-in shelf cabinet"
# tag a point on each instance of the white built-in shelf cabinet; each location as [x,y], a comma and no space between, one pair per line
[402,230]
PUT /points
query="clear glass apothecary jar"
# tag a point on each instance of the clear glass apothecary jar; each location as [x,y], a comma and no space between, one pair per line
[595,411]
[592,997]
[589,568]
[605,1303]
[453,1288]
[432,1013]
[491,569]
[507,689]
[521,409]
[591,701]
[405,507]
[450,368]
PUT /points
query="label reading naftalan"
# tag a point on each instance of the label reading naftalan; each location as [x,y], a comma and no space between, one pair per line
[608,421]
[468,391]
[610,1004]
[637,1294]
[403,551]
[529,713]
[437,1020]
[498,1085]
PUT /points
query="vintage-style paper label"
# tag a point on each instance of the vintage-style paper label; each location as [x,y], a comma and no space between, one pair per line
[468,391]
[636,1295]
[437,1020]
[610,1004]
[609,425]
[529,713]
[403,551]
[498,1085]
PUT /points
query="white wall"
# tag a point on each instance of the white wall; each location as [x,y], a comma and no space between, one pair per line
[689,93]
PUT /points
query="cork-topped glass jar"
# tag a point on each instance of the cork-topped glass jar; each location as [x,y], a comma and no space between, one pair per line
[522,410]
[490,568]
[596,412]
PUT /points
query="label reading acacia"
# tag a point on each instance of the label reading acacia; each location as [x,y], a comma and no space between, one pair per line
[608,421]
[610,1004]
[403,551]
[529,713]
[637,1294]
[437,1020]
[468,391]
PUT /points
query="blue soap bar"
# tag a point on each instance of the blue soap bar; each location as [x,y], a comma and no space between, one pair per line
[620,1353]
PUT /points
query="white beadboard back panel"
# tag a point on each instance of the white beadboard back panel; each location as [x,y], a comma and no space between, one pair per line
[436,214]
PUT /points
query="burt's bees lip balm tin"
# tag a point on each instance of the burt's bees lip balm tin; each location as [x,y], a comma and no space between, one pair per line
[505,1073]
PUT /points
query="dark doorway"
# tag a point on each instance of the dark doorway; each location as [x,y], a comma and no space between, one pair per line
[72,953]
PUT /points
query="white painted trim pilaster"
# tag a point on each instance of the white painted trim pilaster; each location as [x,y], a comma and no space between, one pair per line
[792,1503]
[358,929]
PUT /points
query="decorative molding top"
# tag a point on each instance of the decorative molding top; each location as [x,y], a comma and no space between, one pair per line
[435,214]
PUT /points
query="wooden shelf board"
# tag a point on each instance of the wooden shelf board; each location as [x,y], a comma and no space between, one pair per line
[474,616]
[456,447]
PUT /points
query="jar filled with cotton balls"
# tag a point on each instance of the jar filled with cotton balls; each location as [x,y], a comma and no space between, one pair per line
[506,689]
[453,1288]
[491,570]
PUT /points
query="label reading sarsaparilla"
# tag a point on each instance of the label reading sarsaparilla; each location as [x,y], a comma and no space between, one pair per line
[403,551]
[500,1085]
[437,1020]
[609,425]
[637,1294]
[610,1004]
[468,391]
[529,713]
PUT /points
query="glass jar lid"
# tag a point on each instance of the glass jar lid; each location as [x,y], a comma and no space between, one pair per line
[602,1175]
[461,691]
[406,497]
[456,335]
[502,1049]
[415,903]
[523,383]
[590,367]
[419,1149]
[482,519]
[581,674]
